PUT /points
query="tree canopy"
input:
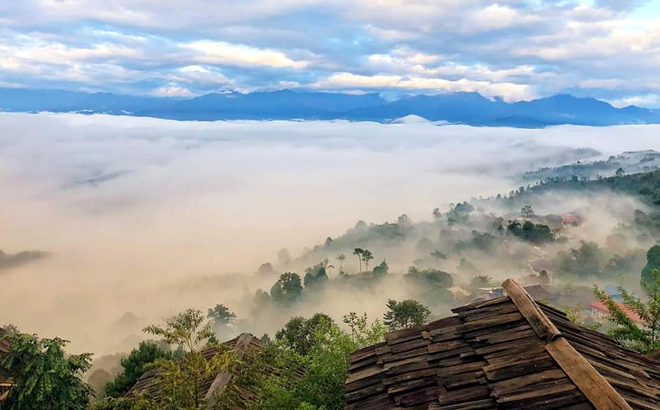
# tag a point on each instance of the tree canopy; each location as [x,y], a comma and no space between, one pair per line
[44,376]
[643,337]
[405,314]
[134,367]
[287,289]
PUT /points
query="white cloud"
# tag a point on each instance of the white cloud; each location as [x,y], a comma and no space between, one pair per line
[508,91]
[173,91]
[220,52]
[497,17]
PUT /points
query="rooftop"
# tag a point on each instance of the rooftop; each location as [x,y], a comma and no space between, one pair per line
[506,353]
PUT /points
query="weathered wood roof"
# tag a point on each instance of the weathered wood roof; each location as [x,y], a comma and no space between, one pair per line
[213,386]
[505,353]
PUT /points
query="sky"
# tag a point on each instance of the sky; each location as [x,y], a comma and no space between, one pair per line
[515,49]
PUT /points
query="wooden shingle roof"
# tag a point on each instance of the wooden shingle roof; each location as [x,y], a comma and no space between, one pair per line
[242,345]
[505,353]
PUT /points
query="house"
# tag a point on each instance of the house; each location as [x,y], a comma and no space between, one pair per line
[243,345]
[5,384]
[506,353]
[599,312]
[570,219]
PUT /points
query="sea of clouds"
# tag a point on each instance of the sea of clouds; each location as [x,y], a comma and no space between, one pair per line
[127,208]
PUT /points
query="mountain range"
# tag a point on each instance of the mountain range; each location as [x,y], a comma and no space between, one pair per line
[461,108]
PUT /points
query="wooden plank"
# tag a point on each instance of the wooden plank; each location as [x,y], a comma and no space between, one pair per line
[223,378]
[594,386]
[544,328]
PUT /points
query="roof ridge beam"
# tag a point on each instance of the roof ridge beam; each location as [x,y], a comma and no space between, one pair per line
[584,376]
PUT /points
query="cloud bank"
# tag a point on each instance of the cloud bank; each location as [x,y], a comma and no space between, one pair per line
[136,212]
[517,49]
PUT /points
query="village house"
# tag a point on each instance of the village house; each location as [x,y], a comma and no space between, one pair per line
[599,312]
[510,352]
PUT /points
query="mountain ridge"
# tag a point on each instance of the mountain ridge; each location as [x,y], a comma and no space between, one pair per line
[470,108]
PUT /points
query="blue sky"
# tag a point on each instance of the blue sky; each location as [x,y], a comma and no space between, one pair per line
[518,50]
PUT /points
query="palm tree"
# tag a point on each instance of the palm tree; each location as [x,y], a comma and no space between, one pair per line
[366,257]
[358,252]
[341,258]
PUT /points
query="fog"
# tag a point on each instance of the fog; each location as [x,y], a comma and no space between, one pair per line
[151,216]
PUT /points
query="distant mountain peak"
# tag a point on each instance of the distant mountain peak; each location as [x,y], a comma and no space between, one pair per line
[462,107]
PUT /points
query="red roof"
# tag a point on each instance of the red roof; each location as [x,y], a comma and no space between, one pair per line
[570,219]
[601,307]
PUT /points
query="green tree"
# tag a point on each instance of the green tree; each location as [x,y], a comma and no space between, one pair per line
[316,275]
[287,289]
[221,317]
[314,380]
[44,376]
[341,258]
[366,257]
[363,333]
[358,252]
[299,333]
[644,338]
[134,367]
[181,382]
[186,330]
[620,172]
[527,211]
[381,270]
[405,314]
[587,260]
[652,262]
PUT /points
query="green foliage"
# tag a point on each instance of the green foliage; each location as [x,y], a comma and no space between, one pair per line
[185,330]
[381,270]
[584,261]
[45,377]
[652,263]
[138,401]
[314,380]
[299,334]
[575,315]
[434,278]
[366,257]
[481,241]
[358,252]
[531,232]
[620,172]
[459,214]
[645,338]
[180,382]
[405,314]
[287,289]
[527,211]
[221,316]
[316,275]
[363,333]
[341,258]
[134,366]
